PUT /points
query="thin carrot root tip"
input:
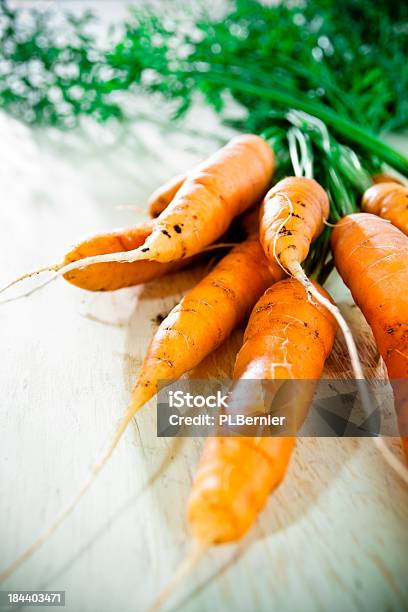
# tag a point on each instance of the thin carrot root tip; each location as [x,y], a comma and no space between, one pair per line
[61,270]
[97,468]
[51,268]
[244,274]
[186,567]
[121,257]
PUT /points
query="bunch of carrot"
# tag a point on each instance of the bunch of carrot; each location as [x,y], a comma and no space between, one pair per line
[292,322]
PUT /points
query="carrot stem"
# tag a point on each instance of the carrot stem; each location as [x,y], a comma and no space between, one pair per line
[339,123]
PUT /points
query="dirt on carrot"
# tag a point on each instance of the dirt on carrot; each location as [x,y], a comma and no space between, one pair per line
[116,275]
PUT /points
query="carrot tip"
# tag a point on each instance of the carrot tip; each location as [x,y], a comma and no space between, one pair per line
[52,268]
[190,562]
[97,468]
[61,270]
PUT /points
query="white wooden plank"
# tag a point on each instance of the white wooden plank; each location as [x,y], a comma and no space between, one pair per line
[333,536]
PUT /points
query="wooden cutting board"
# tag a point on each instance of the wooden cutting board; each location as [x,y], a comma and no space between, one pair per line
[333,537]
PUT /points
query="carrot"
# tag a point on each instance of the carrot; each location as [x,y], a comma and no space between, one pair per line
[381,177]
[371,256]
[161,197]
[112,276]
[389,201]
[218,190]
[293,214]
[198,325]
[287,337]
[116,275]
[108,276]
[205,317]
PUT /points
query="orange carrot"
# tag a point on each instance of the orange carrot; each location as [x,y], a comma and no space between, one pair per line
[198,325]
[205,317]
[385,178]
[161,197]
[287,337]
[109,276]
[215,192]
[389,201]
[371,256]
[218,190]
[112,276]
[293,215]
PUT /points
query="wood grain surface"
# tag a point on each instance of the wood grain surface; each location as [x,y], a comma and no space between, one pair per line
[333,537]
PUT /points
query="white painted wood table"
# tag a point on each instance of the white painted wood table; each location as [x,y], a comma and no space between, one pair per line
[333,537]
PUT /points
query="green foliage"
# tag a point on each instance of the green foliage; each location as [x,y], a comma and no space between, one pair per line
[349,56]
[297,69]
[51,71]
